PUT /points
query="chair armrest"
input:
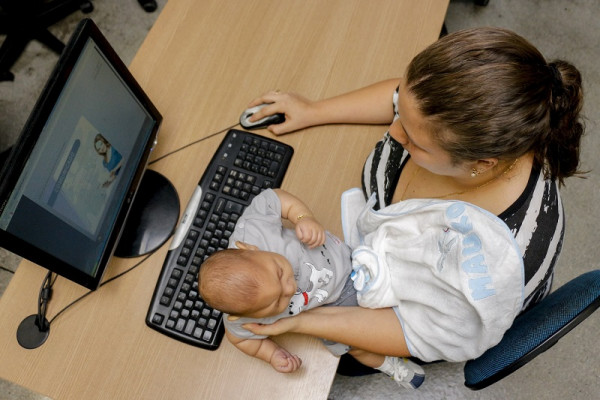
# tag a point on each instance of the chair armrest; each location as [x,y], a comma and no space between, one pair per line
[536,330]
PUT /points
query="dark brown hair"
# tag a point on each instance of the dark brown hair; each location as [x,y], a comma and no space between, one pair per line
[487,92]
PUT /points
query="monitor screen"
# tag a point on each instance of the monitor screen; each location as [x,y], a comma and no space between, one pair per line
[71,178]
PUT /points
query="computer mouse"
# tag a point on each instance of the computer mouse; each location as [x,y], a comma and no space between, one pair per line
[261,123]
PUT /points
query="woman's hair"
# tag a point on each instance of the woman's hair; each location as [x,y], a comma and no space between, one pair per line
[100,138]
[226,281]
[487,92]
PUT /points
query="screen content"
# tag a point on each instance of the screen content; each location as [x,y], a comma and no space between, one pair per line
[70,191]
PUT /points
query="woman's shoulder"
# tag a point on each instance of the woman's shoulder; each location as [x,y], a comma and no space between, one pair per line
[540,193]
[538,224]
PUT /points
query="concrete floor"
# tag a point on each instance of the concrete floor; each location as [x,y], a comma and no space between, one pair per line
[560,29]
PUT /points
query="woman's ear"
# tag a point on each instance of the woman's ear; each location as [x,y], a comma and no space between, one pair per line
[245,246]
[485,164]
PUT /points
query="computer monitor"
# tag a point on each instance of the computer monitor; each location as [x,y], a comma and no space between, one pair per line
[70,182]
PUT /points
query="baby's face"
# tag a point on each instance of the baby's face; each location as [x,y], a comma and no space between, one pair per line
[278,284]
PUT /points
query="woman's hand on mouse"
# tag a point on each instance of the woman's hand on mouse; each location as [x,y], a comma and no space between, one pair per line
[299,111]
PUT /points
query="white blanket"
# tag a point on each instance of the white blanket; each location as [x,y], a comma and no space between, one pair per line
[452,271]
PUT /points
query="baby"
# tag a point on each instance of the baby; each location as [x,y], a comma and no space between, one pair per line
[277,272]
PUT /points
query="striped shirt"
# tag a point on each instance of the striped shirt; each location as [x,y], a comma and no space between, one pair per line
[536,218]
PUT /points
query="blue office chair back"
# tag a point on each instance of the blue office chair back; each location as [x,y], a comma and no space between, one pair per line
[536,330]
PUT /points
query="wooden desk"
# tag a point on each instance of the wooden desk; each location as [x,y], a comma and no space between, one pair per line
[202,63]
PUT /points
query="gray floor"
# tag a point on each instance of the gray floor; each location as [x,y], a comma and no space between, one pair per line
[560,29]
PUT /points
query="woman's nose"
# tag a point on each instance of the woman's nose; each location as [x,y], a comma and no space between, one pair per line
[397,133]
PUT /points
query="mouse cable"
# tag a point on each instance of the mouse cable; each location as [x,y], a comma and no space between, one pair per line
[193,143]
[147,256]
[10,271]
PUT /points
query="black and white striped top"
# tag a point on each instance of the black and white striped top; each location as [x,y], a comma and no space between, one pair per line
[536,218]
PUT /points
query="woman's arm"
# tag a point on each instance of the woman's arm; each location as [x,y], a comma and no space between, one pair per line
[373,330]
[368,105]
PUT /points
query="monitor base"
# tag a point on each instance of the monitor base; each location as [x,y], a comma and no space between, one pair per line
[30,335]
[152,218]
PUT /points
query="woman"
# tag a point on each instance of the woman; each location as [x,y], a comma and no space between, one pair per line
[479,117]
[112,160]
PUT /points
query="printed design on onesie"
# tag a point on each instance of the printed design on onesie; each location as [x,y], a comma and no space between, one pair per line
[310,279]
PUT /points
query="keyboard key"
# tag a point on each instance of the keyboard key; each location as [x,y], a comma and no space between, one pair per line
[158,318]
[180,324]
[212,323]
[198,333]
[189,327]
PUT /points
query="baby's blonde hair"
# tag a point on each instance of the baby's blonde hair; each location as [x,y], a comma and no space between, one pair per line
[227,283]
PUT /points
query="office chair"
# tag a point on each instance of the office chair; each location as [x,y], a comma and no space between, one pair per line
[482,3]
[26,20]
[536,330]
[148,5]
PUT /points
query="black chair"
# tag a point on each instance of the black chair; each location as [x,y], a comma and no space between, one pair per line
[536,330]
[25,20]
[482,3]
[148,5]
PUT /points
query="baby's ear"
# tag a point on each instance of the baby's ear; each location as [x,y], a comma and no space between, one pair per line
[245,246]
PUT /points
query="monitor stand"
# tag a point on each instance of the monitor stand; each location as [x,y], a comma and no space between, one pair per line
[31,334]
[34,330]
[151,222]
[152,218]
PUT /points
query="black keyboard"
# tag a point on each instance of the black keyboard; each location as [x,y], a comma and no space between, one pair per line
[244,165]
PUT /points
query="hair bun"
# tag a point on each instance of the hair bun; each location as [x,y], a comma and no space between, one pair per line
[566,92]
[557,82]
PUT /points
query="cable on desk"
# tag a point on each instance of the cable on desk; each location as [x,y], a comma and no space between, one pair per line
[193,143]
[102,284]
[147,256]
[6,270]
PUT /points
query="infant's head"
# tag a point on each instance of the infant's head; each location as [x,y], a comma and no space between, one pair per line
[247,282]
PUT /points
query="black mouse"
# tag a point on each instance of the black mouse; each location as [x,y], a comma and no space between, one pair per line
[261,123]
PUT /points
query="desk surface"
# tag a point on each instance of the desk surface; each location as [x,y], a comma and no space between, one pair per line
[202,63]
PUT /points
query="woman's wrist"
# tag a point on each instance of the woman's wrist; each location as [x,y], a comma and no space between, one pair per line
[301,323]
[320,112]
[368,105]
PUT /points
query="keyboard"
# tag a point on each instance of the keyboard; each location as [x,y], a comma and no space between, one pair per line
[244,165]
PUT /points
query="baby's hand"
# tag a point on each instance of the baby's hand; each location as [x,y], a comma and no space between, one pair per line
[283,361]
[310,232]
